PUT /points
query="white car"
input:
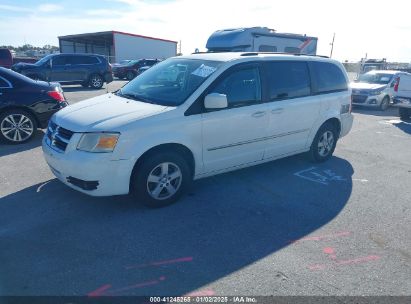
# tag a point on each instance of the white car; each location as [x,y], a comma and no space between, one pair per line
[213,113]
[375,88]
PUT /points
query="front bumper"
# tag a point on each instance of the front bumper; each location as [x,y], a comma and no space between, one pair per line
[367,100]
[94,174]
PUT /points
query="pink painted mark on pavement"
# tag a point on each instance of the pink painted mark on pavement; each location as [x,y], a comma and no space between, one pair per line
[99,291]
[201,293]
[330,252]
[337,263]
[105,289]
[163,262]
[323,237]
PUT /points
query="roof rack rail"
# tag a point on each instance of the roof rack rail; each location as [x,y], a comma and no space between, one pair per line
[282,53]
[257,53]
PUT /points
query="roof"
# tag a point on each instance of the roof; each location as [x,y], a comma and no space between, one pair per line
[229,56]
[102,36]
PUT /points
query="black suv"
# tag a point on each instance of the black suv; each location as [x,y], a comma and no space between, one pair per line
[85,69]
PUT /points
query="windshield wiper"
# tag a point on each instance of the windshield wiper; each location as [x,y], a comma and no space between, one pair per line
[133,97]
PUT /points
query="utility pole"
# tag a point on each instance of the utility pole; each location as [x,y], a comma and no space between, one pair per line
[179,47]
[332,46]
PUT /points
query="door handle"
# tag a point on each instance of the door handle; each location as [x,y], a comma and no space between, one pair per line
[258,114]
[277,111]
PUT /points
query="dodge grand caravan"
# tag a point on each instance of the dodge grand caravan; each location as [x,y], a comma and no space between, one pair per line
[194,116]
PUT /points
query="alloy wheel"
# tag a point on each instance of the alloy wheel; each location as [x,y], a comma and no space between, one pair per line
[17,127]
[164,181]
[325,143]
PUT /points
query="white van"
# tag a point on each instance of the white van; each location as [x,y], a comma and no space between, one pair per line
[220,112]
[402,95]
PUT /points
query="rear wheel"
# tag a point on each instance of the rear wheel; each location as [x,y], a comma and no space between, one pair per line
[385,103]
[161,179]
[324,143]
[96,81]
[405,114]
[17,126]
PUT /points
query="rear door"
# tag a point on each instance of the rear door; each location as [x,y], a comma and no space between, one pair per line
[404,86]
[292,109]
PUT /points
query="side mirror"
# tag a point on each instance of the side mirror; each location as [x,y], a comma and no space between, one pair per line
[215,101]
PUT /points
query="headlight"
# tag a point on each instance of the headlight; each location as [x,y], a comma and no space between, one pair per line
[98,142]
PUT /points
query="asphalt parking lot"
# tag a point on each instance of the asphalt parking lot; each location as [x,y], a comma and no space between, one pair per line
[288,227]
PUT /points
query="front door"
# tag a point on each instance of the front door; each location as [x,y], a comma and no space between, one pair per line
[236,135]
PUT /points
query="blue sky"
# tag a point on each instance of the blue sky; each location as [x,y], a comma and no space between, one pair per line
[361,26]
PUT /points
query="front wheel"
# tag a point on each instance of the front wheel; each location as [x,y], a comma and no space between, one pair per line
[161,179]
[385,103]
[96,81]
[324,143]
[17,126]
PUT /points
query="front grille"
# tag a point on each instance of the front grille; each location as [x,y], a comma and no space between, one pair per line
[359,98]
[59,137]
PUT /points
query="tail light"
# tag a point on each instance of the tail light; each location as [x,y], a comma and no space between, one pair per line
[57,95]
[110,69]
[397,83]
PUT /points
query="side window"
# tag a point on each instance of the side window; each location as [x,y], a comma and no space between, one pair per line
[76,60]
[59,60]
[329,77]
[288,79]
[267,48]
[90,60]
[4,84]
[242,87]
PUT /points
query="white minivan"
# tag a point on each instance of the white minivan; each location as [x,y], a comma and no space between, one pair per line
[195,116]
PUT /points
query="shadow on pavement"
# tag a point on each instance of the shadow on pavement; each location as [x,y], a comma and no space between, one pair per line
[404,125]
[57,241]
[375,111]
[6,149]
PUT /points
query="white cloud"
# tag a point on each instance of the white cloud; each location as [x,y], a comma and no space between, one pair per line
[49,7]
[13,8]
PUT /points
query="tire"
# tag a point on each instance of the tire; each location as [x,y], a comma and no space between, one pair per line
[324,143]
[404,113]
[153,186]
[17,126]
[385,103]
[130,75]
[96,81]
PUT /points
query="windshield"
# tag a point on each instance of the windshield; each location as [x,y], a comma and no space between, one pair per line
[378,78]
[132,62]
[170,82]
[43,60]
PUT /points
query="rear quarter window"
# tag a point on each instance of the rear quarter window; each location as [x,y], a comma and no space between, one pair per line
[328,77]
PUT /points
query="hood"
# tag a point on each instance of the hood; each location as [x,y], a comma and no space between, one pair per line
[22,66]
[367,86]
[104,113]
